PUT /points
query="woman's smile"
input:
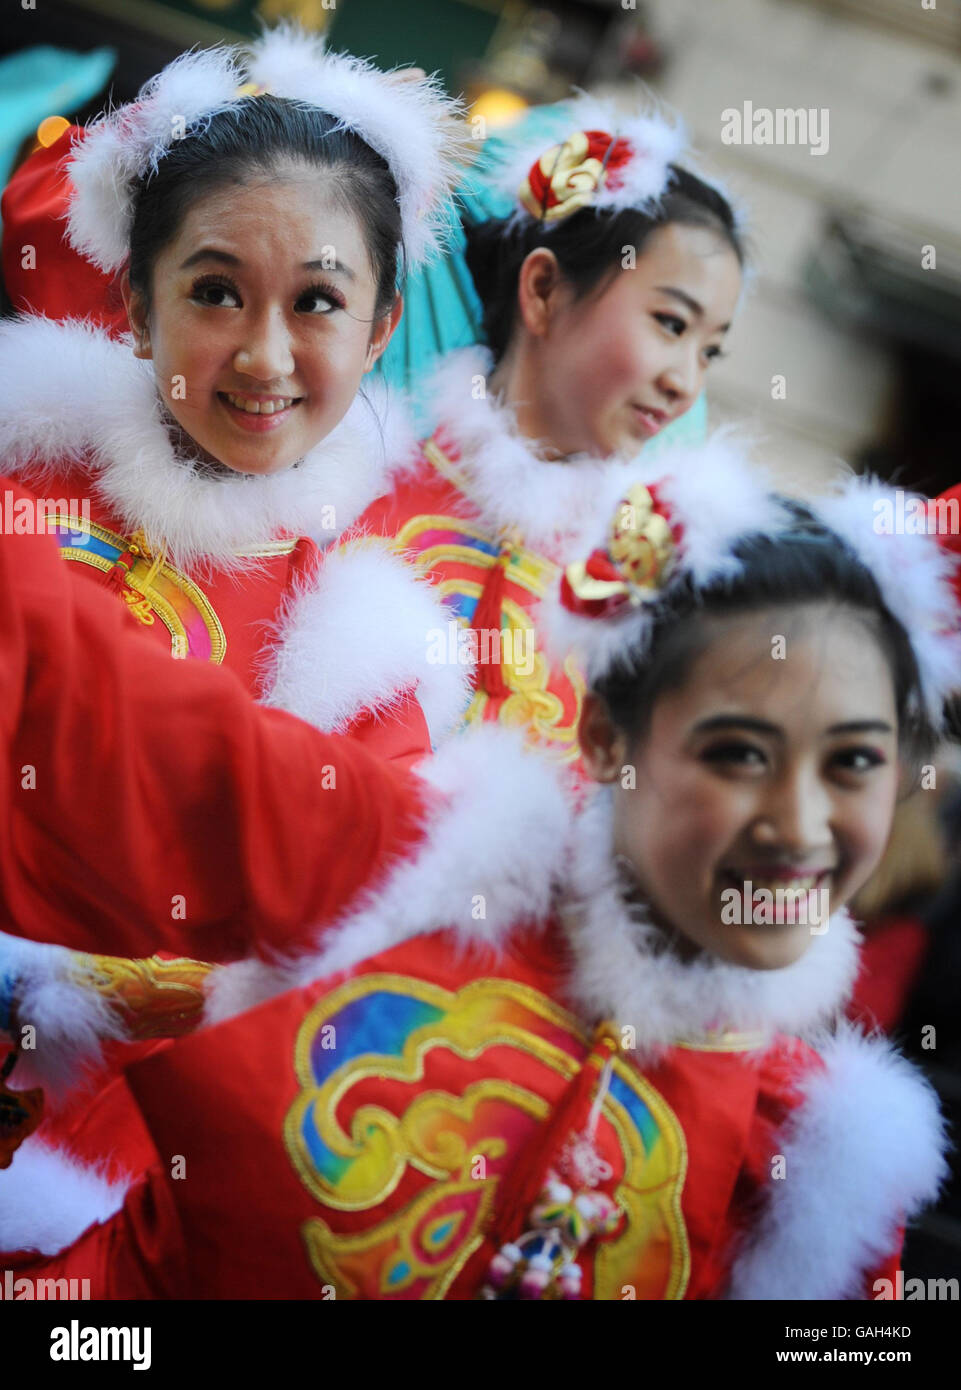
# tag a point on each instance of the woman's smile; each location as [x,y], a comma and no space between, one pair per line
[258,414]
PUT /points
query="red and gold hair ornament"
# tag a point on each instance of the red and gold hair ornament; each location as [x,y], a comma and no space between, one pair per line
[567,177]
[641,553]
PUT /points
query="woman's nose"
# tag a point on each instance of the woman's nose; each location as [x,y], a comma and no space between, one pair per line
[795,816]
[266,354]
[681,378]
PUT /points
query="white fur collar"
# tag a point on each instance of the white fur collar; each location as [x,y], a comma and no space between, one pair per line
[863,1153]
[488,860]
[507,479]
[622,972]
[357,640]
[72,396]
[48,1199]
[508,854]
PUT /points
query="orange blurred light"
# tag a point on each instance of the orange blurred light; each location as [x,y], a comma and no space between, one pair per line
[499,107]
[50,130]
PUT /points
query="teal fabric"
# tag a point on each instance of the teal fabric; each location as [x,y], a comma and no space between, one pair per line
[40,82]
[441,308]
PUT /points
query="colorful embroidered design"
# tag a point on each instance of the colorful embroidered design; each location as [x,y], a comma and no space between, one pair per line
[415,1101]
[459,557]
[183,608]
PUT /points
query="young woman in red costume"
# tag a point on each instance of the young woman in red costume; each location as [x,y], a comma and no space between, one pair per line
[613,1066]
[607,293]
[260,208]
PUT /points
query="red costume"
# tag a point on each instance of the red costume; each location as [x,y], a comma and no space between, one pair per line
[492,523]
[224,803]
[386,1130]
[218,568]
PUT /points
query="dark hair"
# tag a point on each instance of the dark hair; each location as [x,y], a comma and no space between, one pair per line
[253,134]
[589,245]
[804,565]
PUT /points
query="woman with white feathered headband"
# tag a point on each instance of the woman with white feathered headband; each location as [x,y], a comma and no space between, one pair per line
[626,1078]
[261,208]
[607,290]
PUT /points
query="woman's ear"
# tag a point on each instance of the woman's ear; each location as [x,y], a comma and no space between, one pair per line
[136,309]
[603,744]
[383,332]
[538,284]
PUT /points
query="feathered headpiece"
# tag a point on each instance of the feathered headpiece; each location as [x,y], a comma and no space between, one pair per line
[915,572]
[686,528]
[610,159]
[415,127]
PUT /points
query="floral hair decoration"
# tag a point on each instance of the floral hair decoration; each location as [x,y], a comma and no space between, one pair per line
[641,552]
[686,527]
[567,177]
[610,159]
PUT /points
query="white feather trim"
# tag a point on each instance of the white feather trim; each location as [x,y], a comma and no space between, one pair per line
[913,573]
[864,1152]
[656,134]
[719,495]
[507,480]
[128,143]
[496,846]
[362,638]
[70,1019]
[48,1199]
[413,125]
[624,971]
[69,394]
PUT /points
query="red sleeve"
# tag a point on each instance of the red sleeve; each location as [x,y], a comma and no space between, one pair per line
[151,804]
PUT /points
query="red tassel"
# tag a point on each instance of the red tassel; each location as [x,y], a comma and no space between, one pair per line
[116,577]
[489,675]
[522,1188]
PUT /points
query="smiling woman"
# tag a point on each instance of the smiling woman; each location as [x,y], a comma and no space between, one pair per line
[261,207]
[607,292]
[262,279]
[254,308]
[596,1088]
[765,714]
